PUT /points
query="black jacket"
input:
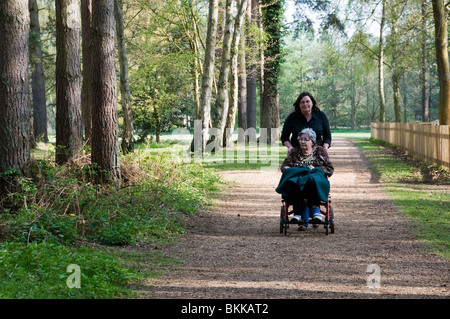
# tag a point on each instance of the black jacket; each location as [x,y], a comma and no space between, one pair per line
[296,122]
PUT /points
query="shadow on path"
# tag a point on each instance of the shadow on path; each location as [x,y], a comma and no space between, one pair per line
[236,250]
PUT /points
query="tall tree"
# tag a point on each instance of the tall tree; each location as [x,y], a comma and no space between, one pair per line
[190,22]
[252,65]
[127,137]
[272,22]
[223,88]
[14,90]
[441,43]
[425,73]
[88,67]
[382,117]
[395,13]
[68,81]
[231,115]
[14,93]
[37,76]
[105,129]
[242,85]
[208,70]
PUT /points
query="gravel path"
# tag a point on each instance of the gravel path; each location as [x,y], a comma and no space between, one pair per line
[236,250]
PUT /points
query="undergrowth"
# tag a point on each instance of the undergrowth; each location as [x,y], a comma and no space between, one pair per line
[60,216]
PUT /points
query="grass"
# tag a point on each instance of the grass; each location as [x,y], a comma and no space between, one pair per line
[416,189]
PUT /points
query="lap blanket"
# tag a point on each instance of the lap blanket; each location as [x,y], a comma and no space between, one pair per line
[307,183]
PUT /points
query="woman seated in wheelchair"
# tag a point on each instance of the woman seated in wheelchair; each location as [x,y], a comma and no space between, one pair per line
[305,178]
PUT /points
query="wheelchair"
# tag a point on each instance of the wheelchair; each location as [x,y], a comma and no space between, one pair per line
[325,209]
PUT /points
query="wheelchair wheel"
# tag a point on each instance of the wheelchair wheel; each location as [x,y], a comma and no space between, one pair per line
[329,225]
[283,223]
[331,220]
[282,220]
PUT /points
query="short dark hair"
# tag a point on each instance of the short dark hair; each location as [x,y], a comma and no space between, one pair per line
[300,97]
[310,133]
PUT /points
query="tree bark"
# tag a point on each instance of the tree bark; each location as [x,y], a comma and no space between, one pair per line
[14,96]
[105,129]
[86,93]
[37,77]
[231,116]
[208,71]
[397,103]
[68,81]
[353,100]
[127,137]
[14,89]
[382,117]
[261,63]
[440,25]
[252,70]
[396,73]
[425,76]
[272,16]
[196,65]
[222,101]
[242,87]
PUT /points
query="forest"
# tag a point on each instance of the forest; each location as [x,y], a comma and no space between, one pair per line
[87,86]
[154,66]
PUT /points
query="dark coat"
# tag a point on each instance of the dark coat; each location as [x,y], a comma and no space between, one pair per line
[296,122]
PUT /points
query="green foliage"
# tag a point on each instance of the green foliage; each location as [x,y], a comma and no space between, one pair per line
[275,31]
[161,57]
[67,208]
[61,212]
[39,270]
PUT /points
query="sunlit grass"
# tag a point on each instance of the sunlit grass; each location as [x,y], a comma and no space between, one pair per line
[424,201]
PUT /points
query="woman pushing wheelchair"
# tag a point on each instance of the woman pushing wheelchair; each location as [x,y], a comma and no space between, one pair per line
[305,179]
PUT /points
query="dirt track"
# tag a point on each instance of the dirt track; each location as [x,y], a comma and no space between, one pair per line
[236,250]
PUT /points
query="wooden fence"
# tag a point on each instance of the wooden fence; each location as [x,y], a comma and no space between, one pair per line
[424,141]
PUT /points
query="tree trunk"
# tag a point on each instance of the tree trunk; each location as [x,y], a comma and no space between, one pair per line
[272,17]
[14,90]
[68,81]
[37,77]
[88,67]
[396,86]
[231,116]
[127,137]
[404,91]
[261,64]
[105,130]
[440,25]
[14,94]
[222,101]
[353,103]
[381,65]
[196,68]
[396,73]
[208,71]
[242,88]
[33,143]
[252,71]
[425,76]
